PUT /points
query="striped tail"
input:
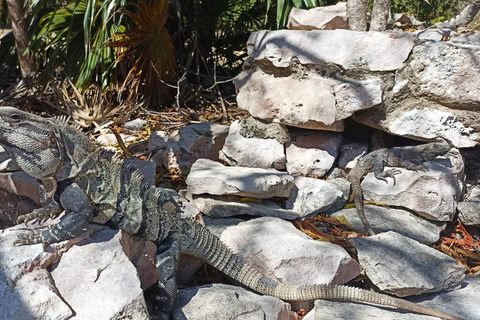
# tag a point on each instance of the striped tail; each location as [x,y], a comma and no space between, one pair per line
[358,200]
[209,247]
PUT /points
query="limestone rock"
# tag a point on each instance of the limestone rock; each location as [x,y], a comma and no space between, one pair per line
[221,207]
[103,284]
[333,310]
[422,104]
[287,101]
[281,251]
[218,225]
[430,34]
[210,177]
[220,301]
[353,96]
[33,296]
[403,267]
[186,145]
[12,207]
[463,301]
[253,128]
[383,219]
[372,51]
[475,194]
[313,196]
[283,63]
[27,290]
[469,213]
[312,154]
[467,37]
[432,194]
[243,148]
[23,185]
[157,141]
[320,18]
[430,123]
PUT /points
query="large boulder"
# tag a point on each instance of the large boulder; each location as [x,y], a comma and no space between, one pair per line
[319,18]
[366,51]
[279,250]
[434,95]
[252,143]
[283,64]
[210,177]
[403,267]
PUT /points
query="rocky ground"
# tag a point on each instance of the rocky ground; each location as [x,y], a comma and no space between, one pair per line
[272,186]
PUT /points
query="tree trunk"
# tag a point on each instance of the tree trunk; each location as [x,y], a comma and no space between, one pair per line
[17,11]
[357,14]
[379,15]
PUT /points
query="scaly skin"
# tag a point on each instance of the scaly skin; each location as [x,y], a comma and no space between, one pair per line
[94,186]
[411,157]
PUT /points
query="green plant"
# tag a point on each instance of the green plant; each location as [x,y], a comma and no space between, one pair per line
[426,10]
[71,39]
[149,53]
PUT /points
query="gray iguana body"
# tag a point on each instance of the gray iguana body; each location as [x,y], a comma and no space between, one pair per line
[92,185]
[409,157]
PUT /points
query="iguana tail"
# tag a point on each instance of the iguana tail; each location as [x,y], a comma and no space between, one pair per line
[210,248]
[358,200]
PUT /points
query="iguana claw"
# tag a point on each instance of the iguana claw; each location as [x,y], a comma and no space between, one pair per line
[29,237]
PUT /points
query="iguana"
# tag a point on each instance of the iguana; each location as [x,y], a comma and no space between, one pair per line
[409,157]
[94,186]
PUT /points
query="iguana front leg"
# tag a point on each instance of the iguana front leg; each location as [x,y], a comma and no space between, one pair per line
[42,214]
[166,261]
[78,213]
[415,166]
[381,174]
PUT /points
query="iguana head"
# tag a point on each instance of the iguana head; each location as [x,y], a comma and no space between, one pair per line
[31,141]
[434,149]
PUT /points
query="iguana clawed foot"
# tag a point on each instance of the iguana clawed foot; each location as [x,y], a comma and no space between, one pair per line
[40,215]
[388,174]
[30,237]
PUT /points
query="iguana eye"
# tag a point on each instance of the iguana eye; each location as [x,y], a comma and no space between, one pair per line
[16,117]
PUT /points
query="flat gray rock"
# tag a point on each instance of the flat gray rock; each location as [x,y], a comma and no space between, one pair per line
[319,18]
[429,122]
[27,290]
[221,207]
[383,219]
[373,51]
[136,124]
[21,184]
[432,194]
[220,301]
[403,267]
[91,275]
[463,301]
[281,251]
[200,140]
[251,150]
[312,154]
[210,177]
[218,225]
[284,99]
[312,196]
[334,310]
[353,96]
[469,213]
